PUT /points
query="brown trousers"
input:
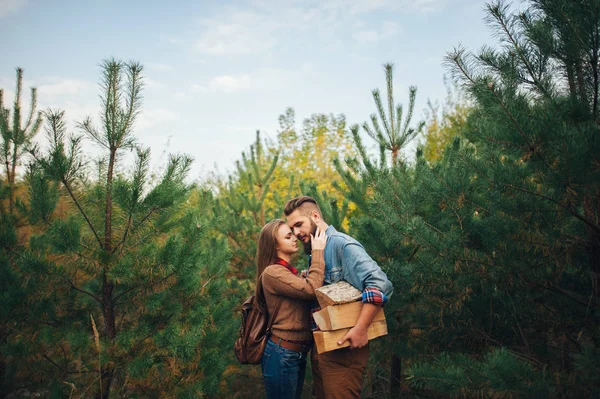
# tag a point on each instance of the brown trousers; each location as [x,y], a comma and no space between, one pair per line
[338,374]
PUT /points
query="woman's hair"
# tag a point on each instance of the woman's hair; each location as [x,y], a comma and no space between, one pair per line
[266,252]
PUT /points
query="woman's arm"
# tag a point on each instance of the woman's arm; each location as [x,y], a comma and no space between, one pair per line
[279,281]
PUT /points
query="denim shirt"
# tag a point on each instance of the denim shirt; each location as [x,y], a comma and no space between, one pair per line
[346,259]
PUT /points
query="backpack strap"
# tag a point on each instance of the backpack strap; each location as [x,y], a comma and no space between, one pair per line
[272,317]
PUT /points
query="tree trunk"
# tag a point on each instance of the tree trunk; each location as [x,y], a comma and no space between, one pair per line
[108,207]
[581,82]
[262,208]
[592,212]
[111,332]
[10,187]
[396,377]
[107,286]
[396,367]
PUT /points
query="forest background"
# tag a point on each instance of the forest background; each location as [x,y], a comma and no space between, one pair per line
[120,282]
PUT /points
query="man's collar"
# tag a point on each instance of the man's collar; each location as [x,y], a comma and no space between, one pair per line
[330,230]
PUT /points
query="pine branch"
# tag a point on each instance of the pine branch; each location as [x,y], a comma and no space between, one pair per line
[51,361]
[141,222]
[571,210]
[382,116]
[501,19]
[83,213]
[82,291]
[569,294]
[139,288]
[232,236]
[518,324]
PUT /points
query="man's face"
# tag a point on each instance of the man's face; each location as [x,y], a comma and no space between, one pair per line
[302,226]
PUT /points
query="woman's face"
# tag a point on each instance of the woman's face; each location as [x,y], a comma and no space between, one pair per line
[287,242]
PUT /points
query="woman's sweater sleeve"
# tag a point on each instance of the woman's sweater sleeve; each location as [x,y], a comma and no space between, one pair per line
[279,281]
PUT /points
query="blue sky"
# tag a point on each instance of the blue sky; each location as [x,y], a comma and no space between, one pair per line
[216,71]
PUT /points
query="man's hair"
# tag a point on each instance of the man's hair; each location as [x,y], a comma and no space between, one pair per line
[305,203]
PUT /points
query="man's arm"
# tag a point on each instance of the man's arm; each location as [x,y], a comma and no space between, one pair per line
[364,273]
[358,334]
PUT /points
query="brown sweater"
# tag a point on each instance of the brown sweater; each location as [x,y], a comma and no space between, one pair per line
[293,319]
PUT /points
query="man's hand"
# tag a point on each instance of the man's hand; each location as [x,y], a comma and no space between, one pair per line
[357,337]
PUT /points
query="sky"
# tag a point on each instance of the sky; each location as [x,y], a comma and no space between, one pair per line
[217,71]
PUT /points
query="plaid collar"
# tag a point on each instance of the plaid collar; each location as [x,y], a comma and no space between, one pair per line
[291,268]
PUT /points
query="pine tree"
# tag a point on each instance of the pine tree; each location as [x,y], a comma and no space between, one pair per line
[245,203]
[396,133]
[493,250]
[367,180]
[16,137]
[270,173]
[308,153]
[121,289]
[445,123]
[14,227]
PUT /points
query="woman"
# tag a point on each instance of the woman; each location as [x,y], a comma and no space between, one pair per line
[284,359]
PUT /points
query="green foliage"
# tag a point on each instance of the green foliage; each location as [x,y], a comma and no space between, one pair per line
[15,137]
[393,137]
[132,258]
[242,206]
[444,125]
[271,173]
[498,372]
[115,286]
[493,249]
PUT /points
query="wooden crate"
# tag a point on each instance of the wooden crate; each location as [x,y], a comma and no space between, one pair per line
[336,317]
[326,341]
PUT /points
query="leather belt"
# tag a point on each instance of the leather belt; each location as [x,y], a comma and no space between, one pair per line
[290,345]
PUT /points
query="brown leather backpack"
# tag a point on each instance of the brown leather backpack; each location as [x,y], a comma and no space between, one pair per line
[254,332]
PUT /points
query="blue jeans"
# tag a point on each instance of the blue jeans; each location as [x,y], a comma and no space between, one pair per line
[283,371]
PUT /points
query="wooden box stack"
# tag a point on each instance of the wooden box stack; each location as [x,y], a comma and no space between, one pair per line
[340,307]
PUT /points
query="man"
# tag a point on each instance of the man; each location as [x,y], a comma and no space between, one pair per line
[338,374]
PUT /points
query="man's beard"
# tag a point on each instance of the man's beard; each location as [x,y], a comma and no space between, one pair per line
[308,245]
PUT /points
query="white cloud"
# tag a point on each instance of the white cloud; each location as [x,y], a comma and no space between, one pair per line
[181,96]
[225,84]
[60,87]
[389,28]
[173,40]
[257,29]
[151,117]
[370,36]
[8,6]
[78,98]
[366,36]
[151,83]
[157,66]
[365,6]
[263,79]
[229,84]
[427,5]
[243,32]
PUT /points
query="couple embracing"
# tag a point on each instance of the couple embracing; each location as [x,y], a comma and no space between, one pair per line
[290,296]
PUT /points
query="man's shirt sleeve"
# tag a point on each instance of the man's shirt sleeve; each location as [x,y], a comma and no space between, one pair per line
[374,296]
[363,272]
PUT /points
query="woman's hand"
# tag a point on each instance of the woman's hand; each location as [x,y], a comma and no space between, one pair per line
[319,239]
